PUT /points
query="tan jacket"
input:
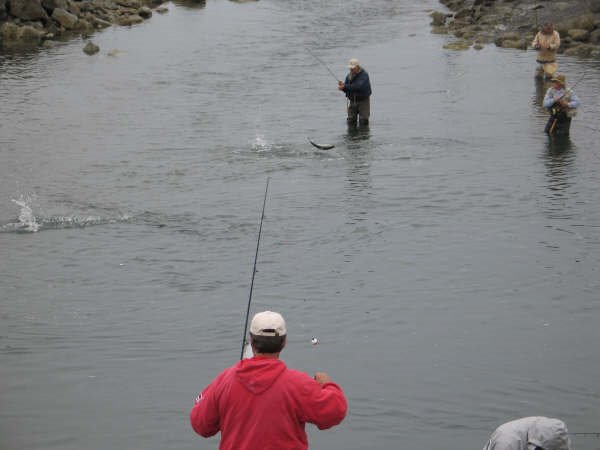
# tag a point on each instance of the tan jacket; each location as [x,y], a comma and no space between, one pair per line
[548,45]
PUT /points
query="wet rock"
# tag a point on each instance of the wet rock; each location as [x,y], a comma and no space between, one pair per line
[50,5]
[145,12]
[100,23]
[438,18]
[595,37]
[27,10]
[65,18]
[579,35]
[8,32]
[457,45]
[584,22]
[91,48]
[131,19]
[28,33]
[491,20]
[3,13]
[162,10]
[580,50]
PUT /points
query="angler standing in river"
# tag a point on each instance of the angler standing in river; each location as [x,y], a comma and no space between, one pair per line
[260,404]
[546,42]
[357,88]
[562,104]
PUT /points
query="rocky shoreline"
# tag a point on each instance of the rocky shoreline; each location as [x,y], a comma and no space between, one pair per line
[474,23]
[30,23]
[513,23]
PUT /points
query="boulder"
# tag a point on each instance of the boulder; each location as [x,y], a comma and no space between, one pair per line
[145,12]
[458,45]
[438,18]
[91,48]
[581,50]
[3,13]
[595,37]
[29,34]
[65,18]
[579,35]
[27,9]
[130,19]
[101,23]
[520,44]
[130,3]
[8,32]
[49,5]
[584,22]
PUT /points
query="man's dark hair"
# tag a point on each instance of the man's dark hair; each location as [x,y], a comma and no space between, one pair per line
[267,344]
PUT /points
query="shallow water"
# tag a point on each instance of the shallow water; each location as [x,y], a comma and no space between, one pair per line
[446,258]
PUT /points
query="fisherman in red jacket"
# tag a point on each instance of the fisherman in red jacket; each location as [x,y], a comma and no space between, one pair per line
[260,404]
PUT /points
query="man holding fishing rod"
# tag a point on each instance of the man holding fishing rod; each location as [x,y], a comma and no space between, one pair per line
[562,104]
[357,88]
[260,404]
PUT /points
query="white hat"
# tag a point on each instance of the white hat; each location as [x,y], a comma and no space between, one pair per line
[353,63]
[268,323]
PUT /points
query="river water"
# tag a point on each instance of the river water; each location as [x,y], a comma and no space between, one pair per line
[446,257]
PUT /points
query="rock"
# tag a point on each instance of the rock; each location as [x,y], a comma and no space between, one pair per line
[439,30]
[29,34]
[579,35]
[84,27]
[595,37]
[438,18]
[50,5]
[520,44]
[65,18]
[101,23]
[581,50]
[145,12]
[27,10]
[91,48]
[130,19]
[584,22]
[8,32]
[130,3]
[74,7]
[114,52]
[457,45]
[162,10]
[3,13]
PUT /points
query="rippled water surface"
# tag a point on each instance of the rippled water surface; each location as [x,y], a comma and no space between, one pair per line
[447,257]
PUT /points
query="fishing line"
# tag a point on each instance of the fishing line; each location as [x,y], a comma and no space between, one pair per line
[262,216]
[323,64]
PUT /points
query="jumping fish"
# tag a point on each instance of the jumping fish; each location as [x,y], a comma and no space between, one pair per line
[322,146]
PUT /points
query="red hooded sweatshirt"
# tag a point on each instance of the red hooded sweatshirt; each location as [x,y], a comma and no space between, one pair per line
[260,404]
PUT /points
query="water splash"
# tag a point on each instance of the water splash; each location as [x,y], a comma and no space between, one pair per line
[27,220]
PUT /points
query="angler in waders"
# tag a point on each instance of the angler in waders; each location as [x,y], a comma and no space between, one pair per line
[562,104]
[357,88]
[546,42]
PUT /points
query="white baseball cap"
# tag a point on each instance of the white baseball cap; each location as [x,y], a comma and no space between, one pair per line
[268,323]
[353,63]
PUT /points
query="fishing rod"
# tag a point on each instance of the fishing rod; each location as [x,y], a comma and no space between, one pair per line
[324,65]
[262,216]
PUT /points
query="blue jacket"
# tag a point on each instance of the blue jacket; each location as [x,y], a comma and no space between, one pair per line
[359,87]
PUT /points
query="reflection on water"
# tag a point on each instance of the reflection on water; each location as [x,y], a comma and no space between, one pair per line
[359,171]
[541,87]
[560,155]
